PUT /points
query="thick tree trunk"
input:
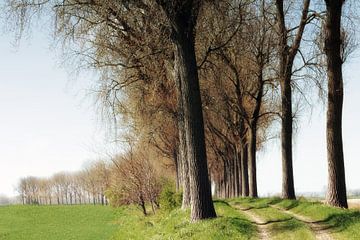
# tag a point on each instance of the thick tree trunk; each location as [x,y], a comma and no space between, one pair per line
[183,17]
[336,195]
[200,191]
[252,163]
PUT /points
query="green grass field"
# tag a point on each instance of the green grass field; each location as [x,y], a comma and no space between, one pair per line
[106,223]
[57,222]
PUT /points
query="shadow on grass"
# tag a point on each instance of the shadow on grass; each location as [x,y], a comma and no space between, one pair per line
[242,226]
[218,201]
[339,222]
[290,204]
[274,201]
[289,225]
[275,221]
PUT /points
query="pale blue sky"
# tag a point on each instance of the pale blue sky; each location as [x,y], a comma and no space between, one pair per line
[47,122]
[46,126]
[310,162]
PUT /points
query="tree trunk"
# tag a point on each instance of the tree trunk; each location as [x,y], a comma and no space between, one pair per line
[142,205]
[252,163]
[200,192]
[183,17]
[244,170]
[102,199]
[237,173]
[288,190]
[186,183]
[177,161]
[336,195]
[182,155]
[253,131]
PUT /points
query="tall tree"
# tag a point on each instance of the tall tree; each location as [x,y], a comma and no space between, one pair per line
[183,17]
[287,54]
[336,195]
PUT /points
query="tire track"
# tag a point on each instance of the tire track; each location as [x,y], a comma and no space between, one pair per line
[320,230]
[261,225]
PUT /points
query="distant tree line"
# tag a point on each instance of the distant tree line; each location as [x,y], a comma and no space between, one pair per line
[128,178]
[84,187]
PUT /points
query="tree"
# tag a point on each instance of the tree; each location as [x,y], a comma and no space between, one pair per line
[182,16]
[260,52]
[134,181]
[336,195]
[287,54]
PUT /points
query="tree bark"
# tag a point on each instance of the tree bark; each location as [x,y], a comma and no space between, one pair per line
[200,192]
[336,195]
[183,161]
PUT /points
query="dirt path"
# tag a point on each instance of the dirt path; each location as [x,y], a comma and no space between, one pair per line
[261,225]
[320,230]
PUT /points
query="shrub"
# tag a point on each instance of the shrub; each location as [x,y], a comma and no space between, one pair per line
[169,198]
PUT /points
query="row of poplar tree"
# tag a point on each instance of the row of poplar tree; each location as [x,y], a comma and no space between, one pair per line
[206,83]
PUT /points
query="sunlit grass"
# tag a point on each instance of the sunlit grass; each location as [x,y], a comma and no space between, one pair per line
[57,222]
[230,224]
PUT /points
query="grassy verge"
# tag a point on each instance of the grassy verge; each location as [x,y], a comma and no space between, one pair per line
[230,224]
[56,222]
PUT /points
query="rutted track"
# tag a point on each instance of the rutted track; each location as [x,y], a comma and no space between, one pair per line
[320,230]
[261,225]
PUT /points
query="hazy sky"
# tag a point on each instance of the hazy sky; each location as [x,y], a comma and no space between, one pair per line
[46,126]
